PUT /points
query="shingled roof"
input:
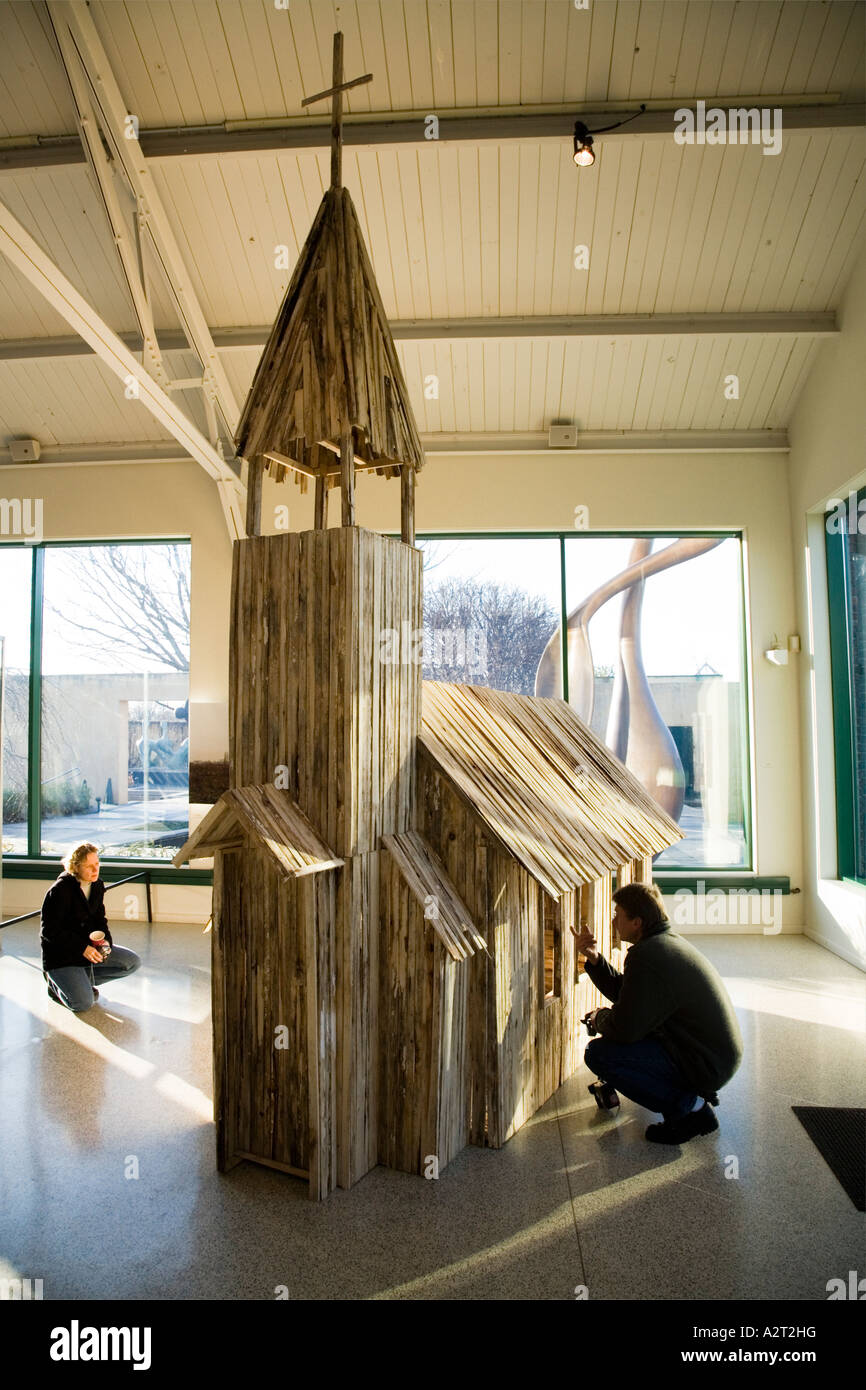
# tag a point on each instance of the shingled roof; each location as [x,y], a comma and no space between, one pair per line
[277,823]
[427,879]
[540,780]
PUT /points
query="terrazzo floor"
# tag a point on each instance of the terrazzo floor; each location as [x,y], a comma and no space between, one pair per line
[575,1199]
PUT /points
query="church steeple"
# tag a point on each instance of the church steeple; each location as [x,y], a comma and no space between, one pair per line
[328,397]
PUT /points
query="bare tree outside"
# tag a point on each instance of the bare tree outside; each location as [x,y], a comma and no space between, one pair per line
[131,601]
[485,633]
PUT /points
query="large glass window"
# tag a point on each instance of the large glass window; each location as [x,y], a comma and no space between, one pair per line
[846,577]
[96,724]
[16,568]
[492,612]
[655,666]
[115,697]
[656,669]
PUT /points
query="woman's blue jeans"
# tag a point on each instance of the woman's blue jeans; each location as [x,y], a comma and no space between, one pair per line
[645,1073]
[72,983]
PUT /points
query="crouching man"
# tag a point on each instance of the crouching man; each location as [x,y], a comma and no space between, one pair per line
[672,1038]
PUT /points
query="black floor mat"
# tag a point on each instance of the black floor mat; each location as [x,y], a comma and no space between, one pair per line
[840,1138]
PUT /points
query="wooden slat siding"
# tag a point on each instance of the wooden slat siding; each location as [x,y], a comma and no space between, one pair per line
[334,771]
[362,1054]
[357,918]
[506,1041]
[369,947]
[457,837]
[345,573]
[318,1139]
[599,923]
[329,354]
[448,1042]
[569,1020]
[373,613]
[480,989]
[344,904]
[388,879]
[398,1093]
[254,496]
[262,930]
[372,671]
[328,967]
[311,749]
[303,653]
[581,901]
[229,920]
[221,932]
[265,1088]
[320,505]
[407,504]
[546,787]
[422,1058]
[642,869]
[435,1020]
[390,676]
[624,876]
[284,996]
[317,908]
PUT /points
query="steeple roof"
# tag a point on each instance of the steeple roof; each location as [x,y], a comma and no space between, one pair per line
[330,363]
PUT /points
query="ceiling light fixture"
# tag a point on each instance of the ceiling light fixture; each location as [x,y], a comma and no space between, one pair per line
[584,154]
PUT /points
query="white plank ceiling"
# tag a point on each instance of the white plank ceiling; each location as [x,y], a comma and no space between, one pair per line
[181,63]
[458,230]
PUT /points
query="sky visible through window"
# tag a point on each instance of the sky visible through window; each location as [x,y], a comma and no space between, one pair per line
[691,612]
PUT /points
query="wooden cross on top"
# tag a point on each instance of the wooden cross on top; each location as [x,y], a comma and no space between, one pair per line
[338,86]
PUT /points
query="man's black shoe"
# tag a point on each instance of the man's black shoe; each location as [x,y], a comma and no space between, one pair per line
[687,1127]
[606,1097]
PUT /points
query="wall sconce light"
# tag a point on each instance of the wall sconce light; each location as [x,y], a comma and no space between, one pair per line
[778,654]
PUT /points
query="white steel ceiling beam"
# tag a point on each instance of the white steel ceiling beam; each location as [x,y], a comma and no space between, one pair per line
[588,442]
[820,324]
[384,129]
[29,258]
[128,248]
[120,129]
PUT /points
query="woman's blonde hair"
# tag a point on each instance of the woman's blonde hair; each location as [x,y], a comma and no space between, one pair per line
[76,857]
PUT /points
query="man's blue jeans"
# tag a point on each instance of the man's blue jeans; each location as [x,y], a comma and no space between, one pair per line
[644,1072]
[72,983]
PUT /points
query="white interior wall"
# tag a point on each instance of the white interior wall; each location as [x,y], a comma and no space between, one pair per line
[827,461]
[474,492]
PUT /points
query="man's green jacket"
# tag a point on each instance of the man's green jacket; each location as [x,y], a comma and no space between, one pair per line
[667,990]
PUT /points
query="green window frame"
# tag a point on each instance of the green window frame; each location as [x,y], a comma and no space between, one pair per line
[36,864]
[842,677]
[671,876]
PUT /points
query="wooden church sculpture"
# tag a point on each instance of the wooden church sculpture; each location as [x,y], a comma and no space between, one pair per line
[397,864]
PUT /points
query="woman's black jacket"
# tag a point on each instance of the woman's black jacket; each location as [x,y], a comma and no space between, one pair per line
[68,918]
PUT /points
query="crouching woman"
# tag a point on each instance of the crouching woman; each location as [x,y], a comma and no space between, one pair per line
[73,909]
